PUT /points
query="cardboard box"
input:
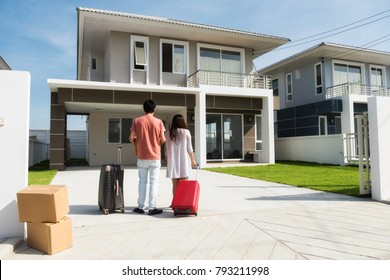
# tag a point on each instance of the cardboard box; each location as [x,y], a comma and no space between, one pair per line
[50,238]
[43,203]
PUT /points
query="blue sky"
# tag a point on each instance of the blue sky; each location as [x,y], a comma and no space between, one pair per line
[40,36]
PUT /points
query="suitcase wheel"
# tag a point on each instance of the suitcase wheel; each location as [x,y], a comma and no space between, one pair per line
[106,211]
[122,210]
[196,214]
[174,213]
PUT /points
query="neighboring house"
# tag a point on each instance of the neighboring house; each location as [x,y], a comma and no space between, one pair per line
[4,65]
[203,72]
[321,92]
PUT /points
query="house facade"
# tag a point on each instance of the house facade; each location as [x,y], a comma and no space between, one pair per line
[323,90]
[203,72]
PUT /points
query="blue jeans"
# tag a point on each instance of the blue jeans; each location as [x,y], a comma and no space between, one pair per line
[145,168]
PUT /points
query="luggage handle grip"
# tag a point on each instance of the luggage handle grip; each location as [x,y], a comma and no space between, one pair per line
[197,167]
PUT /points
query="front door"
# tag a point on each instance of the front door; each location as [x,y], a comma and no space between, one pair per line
[224,136]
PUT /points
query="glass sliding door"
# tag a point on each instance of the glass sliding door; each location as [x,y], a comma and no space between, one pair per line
[213,137]
[224,136]
[232,137]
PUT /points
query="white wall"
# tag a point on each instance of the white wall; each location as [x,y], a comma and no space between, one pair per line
[14,135]
[379,118]
[322,149]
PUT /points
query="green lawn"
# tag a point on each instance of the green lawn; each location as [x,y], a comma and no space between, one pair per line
[40,174]
[330,178]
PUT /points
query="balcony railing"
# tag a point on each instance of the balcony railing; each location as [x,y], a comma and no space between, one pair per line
[358,89]
[215,78]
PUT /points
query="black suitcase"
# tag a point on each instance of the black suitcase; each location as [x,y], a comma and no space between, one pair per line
[111,187]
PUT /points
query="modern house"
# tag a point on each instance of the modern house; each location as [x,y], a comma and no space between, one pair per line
[321,91]
[203,72]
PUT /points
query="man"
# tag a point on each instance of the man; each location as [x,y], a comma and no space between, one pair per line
[147,133]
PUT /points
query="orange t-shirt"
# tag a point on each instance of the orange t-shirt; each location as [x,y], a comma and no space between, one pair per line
[148,130]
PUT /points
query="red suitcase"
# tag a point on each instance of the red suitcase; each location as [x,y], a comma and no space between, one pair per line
[186,198]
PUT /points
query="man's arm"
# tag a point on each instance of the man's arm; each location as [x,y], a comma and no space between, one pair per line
[162,138]
[132,136]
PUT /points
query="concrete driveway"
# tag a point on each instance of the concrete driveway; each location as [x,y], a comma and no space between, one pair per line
[238,219]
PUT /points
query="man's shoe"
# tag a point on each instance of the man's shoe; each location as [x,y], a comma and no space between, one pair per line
[155,211]
[139,211]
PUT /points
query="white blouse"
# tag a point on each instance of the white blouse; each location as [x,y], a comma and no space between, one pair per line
[178,162]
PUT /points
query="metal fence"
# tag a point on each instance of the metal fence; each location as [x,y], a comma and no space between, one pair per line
[38,151]
[356,88]
[216,78]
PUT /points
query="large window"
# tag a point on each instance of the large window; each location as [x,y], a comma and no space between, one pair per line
[220,60]
[119,130]
[318,77]
[139,52]
[289,89]
[345,73]
[173,58]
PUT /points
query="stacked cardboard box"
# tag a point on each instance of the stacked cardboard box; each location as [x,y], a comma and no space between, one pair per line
[44,208]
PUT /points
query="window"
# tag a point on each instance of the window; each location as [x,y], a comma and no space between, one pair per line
[344,73]
[119,130]
[275,87]
[322,125]
[139,52]
[318,77]
[289,93]
[93,63]
[173,58]
[259,139]
[220,60]
[377,80]
[337,121]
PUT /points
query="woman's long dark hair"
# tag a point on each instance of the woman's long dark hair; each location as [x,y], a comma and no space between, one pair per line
[177,122]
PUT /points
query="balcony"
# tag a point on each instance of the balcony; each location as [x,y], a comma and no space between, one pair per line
[357,89]
[225,79]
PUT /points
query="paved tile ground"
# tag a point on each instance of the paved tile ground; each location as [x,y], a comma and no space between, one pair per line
[239,219]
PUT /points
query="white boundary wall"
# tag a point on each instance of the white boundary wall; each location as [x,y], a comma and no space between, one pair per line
[379,118]
[14,136]
[322,149]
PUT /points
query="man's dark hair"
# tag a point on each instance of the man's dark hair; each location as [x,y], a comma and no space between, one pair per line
[149,106]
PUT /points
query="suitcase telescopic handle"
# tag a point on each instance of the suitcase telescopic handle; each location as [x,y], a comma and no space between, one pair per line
[197,171]
[120,155]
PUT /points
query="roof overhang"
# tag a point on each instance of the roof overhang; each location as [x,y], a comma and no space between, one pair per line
[94,27]
[4,65]
[89,107]
[328,51]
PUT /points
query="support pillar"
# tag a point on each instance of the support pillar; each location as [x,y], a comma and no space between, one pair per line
[267,119]
[200,123]
[57,133]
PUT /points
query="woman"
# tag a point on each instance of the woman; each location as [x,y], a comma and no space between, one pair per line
[178,151]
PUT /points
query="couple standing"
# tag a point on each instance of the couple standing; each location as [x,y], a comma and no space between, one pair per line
[148,134]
